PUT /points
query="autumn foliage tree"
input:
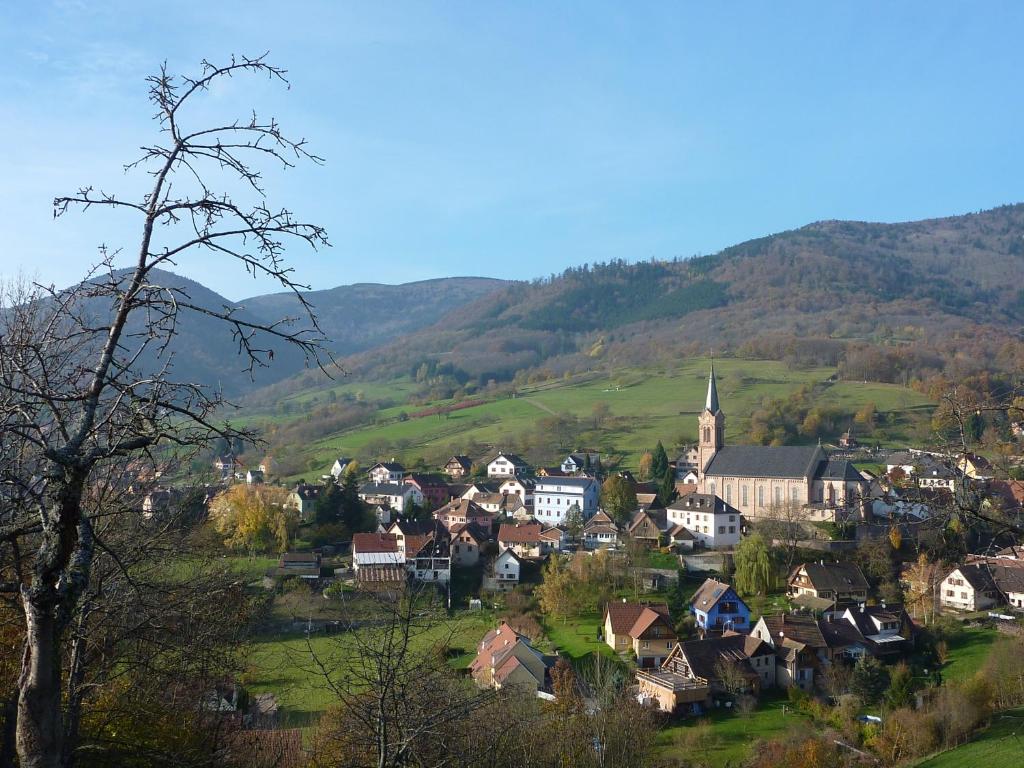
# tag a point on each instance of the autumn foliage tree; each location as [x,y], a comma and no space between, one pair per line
[254,518]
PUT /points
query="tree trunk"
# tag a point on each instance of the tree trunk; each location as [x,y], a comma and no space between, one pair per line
[39,729]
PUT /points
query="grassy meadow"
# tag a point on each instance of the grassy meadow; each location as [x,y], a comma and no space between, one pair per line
[644,406]
[1001,745]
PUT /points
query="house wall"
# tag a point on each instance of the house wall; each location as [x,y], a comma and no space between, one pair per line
[708,529]
[962,596]
[664,697]
[655,649]
[550,504]
[618,643]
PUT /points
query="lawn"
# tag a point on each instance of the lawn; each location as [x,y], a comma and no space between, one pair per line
[283,664]
[731,735]
[968,650]
[576,637]
[999,745]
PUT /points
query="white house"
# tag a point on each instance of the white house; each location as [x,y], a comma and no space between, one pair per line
[581,462]
[711,521]
[969,588]
[519,486]
[506,465]
[398,497]
[254,476]
[504,575]
[553,496]
[600,532]
[339,467]
[387,472]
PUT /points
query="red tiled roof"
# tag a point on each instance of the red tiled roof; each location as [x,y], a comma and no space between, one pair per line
[519,534]
[374,542]
[624,615]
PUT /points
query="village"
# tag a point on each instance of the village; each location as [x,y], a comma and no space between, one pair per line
[730,575]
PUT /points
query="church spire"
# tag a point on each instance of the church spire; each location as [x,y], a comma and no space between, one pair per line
[711,404]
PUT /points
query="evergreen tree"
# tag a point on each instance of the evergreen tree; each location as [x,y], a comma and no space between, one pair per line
[869,679]
[659,463]
[667,489]
[328,505]
[352,508]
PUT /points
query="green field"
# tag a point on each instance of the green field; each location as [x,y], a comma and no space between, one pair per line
[728,740]
[968,650]
[1001,745]
[645,406]
[283,665]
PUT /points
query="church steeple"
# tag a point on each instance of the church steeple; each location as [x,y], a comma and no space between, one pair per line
[710,425]
[711,403]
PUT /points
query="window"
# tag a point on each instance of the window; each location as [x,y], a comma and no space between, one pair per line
[949,593]
[760,496]
[728,494]
[645,644]
[963,595]
[743,495]
[712,487]
[732,518]
[778,495]
[721,529]
[794,494]
[732,529]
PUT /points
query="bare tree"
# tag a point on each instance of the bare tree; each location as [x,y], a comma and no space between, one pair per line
[398,700]
[86,374]
[786,523]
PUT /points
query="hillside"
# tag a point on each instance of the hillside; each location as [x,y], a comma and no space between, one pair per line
[812,292]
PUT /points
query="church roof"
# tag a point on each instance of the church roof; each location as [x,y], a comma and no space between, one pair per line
[790,461]
[711,403]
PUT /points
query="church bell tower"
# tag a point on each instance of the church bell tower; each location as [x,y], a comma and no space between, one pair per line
[710,426]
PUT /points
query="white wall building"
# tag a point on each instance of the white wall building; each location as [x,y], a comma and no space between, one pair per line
[711,521]
[553,496]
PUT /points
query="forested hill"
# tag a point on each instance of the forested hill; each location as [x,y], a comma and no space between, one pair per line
[818,291]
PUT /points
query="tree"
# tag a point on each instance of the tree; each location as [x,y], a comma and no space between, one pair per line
[86,377]
[573,522]
[786,522]
[557,593]
[254,518]
[618,498]
[900,692]
[755,573]
[666,489]
[646,465]
[327,508]
[659,463]
[600,413]
[869,679]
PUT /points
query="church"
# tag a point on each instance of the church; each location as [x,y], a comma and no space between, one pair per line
[758,480]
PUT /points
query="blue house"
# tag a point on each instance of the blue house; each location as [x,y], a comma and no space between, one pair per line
[717,608]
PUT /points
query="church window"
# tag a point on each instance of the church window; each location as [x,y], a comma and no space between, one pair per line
[728,494]
[760,496]
[778,495]
[743,495]
[795,494]
[712,487]
[707,434]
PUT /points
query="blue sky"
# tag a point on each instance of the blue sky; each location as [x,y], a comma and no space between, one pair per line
[515,139]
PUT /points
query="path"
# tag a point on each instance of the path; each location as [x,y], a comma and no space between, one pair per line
[539,404]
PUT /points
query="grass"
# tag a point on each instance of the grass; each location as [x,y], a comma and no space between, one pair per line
[969,648]
[731,735]
[283,664]
[1001,744]
[645,406]
[576,637]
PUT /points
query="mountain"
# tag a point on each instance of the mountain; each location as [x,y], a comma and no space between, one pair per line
[921,288]
[353,318]
[366,315]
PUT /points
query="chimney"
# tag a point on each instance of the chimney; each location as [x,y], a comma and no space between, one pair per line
[883,604]
[862,607]
[822,563]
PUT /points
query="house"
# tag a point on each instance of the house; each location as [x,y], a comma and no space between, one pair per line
[340,467]
[386,472]
[160,501]
[525,540]
[463,511]
[522,487]
[432,489]
[431,561]
[554,496]
[398,497]
[267,465]
[600,532]
[842,583]
[647,526]
[467,539]
[506,659]
[757,480]
[801,649]
[551,472]
[470,491]
[883,631]
[975,467]
[410,534]
[698,670]
[376,549]
[1009,578]
[679,536]
[711,521]
[553,539]
[503,575]
[937,475]
[644,629]
[575,463]
[969,587]
[254,477]
[302,498]
[491,502]
[458,466]
[717,608]
[507,465]
[225,466]
[305,565]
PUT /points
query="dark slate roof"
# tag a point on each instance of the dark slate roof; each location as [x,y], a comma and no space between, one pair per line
[711,402]
[568,482]
[803,629]
[383,489]
[833,577]
[704,656]
[793,461]
[836,469]
[709,593]
[979,576]
[703,502]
